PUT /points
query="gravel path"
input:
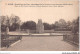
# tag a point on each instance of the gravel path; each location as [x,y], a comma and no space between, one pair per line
[53,43]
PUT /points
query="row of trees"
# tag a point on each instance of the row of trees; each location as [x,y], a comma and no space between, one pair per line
[75,26]
[32,25]
[14,23]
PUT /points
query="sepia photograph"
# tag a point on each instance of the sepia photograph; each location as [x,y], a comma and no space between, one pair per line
[44,25]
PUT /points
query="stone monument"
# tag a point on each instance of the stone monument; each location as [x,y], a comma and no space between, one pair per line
[7,30]
[40,26]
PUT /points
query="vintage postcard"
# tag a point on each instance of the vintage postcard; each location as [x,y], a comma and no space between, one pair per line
[39,25]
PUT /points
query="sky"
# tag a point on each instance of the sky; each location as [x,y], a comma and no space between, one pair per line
[47,14]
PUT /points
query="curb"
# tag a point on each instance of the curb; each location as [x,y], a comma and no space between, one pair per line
[10,45]
[15,43]
[72,42]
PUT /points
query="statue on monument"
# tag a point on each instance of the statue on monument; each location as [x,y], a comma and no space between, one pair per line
[7,23]
[40,26]
[7,30]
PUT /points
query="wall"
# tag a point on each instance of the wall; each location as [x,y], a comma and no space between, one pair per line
[47,31]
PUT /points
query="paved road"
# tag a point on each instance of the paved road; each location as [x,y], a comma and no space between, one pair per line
[53,43]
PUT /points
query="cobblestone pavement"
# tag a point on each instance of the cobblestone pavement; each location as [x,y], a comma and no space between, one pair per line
[53,43]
